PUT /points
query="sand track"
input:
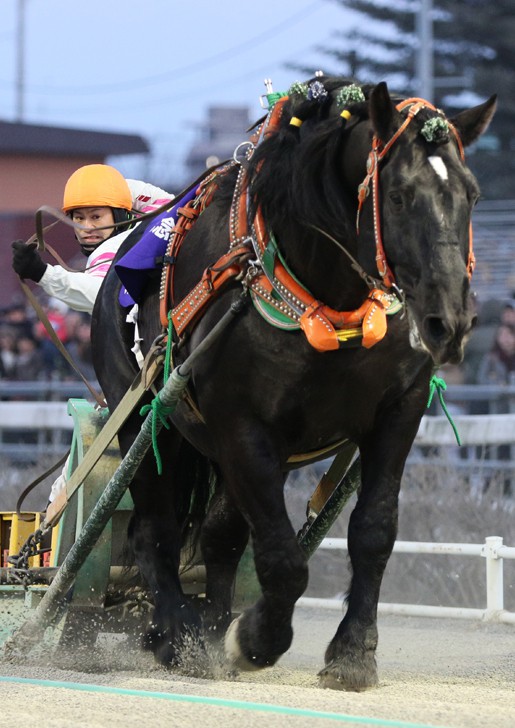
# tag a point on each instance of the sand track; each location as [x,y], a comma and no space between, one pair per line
[433,672]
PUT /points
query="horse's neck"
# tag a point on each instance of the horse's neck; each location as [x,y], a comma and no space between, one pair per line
[323,268]
[320,263]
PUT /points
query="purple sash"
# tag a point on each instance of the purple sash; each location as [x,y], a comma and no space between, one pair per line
[147,253]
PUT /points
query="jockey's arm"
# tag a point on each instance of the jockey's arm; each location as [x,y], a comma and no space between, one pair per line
[147,197]
[76,289]
[79,289]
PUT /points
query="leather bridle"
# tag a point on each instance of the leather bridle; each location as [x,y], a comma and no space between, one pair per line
[377,154]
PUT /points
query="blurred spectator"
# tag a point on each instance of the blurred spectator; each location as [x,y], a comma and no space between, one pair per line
[498,365]
[28,353]
[56,312]
[54,362]
[73,320]
[508,312]
[481,339]
[30,363]
[17,318]
[79,348]
[7,351]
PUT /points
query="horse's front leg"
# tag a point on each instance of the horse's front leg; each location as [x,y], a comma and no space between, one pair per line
[259,636]
[350,656]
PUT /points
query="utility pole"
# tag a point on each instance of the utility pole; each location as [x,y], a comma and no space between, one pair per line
[425,61]
[20,62]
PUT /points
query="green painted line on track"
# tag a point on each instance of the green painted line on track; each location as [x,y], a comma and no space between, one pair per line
[217,702]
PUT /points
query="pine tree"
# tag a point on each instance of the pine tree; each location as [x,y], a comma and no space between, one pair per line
[473,57]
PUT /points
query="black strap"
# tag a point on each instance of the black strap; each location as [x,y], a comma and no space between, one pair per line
[35,483]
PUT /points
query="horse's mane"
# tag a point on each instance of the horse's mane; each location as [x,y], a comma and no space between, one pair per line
[298,171]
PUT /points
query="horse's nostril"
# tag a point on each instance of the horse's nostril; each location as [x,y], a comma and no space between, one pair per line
[436,328]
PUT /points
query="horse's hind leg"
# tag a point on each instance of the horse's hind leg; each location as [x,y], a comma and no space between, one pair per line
[155,538]
[223,539]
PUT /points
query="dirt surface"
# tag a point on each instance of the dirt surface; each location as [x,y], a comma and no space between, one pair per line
[457,674]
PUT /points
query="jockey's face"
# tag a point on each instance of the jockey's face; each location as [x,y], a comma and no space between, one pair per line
[93,218]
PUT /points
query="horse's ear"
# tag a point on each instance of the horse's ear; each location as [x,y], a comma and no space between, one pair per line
[384,116]
[473,122]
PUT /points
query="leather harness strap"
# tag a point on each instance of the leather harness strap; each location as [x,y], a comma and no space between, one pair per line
[319,322]
[325,328]
[186,218]
[230,266]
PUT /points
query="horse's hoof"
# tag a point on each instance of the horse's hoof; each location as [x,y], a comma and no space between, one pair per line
[233,651]
[342,675]
[151,638]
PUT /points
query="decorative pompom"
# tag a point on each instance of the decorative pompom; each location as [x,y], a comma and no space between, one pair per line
[349,95]
[436,130]
[298,89]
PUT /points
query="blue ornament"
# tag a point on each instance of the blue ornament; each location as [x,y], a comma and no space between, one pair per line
[317,92]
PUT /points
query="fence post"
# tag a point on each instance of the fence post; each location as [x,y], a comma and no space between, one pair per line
[494,576]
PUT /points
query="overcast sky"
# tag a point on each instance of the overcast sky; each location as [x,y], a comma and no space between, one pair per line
[153,67]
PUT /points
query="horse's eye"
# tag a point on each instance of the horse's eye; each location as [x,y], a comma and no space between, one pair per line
[396,200]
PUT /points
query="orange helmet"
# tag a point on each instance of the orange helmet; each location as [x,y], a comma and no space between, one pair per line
[97,185]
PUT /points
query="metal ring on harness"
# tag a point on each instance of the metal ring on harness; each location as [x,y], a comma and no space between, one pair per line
[240,157]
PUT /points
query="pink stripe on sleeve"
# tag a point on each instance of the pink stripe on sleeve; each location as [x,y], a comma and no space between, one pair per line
[155,204]
[99,265]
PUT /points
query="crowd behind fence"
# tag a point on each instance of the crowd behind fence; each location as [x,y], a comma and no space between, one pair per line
[34,423]
[32,370]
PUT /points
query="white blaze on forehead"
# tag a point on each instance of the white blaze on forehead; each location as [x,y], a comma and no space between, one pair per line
[439,167]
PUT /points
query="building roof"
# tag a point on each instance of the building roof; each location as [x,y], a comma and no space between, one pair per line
[54,141]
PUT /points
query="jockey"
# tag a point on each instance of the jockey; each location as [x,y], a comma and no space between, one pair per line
[95,196]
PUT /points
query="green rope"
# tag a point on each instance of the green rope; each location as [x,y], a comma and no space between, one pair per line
[437,384]
[159,411]
[273,97]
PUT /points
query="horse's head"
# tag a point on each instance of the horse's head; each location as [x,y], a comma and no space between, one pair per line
[415,202]
[423,205]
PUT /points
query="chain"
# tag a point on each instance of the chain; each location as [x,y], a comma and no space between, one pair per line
[20,573]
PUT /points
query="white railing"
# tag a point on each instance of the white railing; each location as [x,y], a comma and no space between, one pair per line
[494,553]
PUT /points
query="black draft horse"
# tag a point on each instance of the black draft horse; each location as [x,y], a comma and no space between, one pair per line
[333,151]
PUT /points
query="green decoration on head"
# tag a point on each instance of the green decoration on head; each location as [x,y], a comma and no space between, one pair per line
[298,89]
[273,98]
[436,130]
[350,94]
